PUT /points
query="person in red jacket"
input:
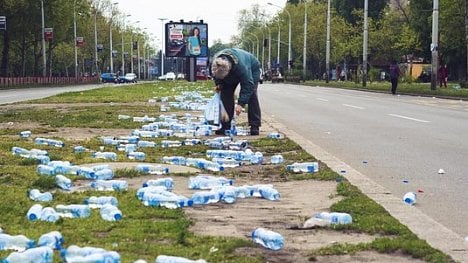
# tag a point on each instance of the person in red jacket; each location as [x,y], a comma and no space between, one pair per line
[443,75]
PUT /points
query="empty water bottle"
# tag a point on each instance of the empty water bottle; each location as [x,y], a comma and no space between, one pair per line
[238,145]
[86,172]
[61,167]
[52,239]
[98,202]
[123,117]
[79,149]
[63,182]
[409,198]
[243,192]
[104,174]
[105,155]
[130,147]
[146,144]
[227,162]
[34,213]
[25,134]
[257,158]
[227,193]
[149,190]
[268,238]
[43,169]
[274,135]
[110,213]
[19,151]
[73,252]
[165,199]
[167,182]
[140,156]
[36,195]
[177,160]
[73,211]
[277,159]
[170,144]
[18,242]
[152,169]
[92,255]
[307,167]
[109,185]
[109,141]
[173,259]
[203,197]
[49,214]
[335,218]
[32,255]
[269,193]
[207,182]
[192,142]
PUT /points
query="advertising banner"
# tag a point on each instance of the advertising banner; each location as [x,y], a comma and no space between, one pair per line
[186,39]
[49,34]
[79,41]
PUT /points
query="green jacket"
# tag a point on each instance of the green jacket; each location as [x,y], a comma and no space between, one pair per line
[245,70]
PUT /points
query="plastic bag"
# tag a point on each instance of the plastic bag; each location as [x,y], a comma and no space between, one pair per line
[215,112]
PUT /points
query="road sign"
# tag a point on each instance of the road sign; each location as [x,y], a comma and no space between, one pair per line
[79,41]
[2,22]
[48,34]
[99,47]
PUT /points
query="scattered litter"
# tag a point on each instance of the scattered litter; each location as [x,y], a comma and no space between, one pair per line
[441,171]
[405,181]
[420,190]
[409,198]
[213,249]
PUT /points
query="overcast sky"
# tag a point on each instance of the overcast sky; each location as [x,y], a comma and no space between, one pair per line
[221,15]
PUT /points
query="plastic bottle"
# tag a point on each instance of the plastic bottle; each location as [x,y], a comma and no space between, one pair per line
[73,211]
[99,167]
[19,151]
[34,213]
[61,167]
[177,160]
[238,145]
[152,169]
[146,144]
[63,182]
[49,214]
[307,167]
[269,193]
[335,218]
[104,174]
[25,134]
[207,182]
[277,159]
[74,252]
[130,147]
[167,182]
[243,192]
[34,151]
[257,158]
[268,238]
[255,189]
[109,185]
[90,255]
[227,193]
[98,202]
[128,139]
[52,239]
[409,198]
[274,135]
[140,156]
[204,197]
[32,255]
[79,149]
[109,141]
[36,195]
[164,199]
[110,213]
[173,259]
[86,172]
[18,242]
[192,142]
[123,117]
[149,190]
[105,155]
[170,144]
[227,162]
[44,169]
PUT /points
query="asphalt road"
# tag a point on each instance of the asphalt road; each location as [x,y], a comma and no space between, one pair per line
[390,139]
[16,95]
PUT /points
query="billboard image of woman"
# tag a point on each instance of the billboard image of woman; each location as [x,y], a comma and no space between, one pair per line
[194,42]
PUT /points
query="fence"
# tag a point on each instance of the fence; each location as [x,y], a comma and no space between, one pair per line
[44,81]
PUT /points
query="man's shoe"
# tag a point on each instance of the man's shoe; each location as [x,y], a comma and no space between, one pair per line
[254,131]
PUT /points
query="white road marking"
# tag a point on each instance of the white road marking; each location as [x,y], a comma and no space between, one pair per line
[353,106]
[322,99]
[407,118]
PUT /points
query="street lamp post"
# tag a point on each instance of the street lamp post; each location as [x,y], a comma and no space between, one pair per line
[110,40]
[364,47]
[44,59]
[162,44]
[327,55]
[74,37]
[434,45]
[95,43]
[258,43]
[123,45]
[289,36]
[131,50]
[304,50]
[279,45]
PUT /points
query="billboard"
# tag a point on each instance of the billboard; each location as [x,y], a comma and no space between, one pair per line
[186,39]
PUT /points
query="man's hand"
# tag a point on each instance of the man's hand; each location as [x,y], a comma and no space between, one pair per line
[238,109]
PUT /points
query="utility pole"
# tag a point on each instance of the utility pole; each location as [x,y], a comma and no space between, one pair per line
[44,59]
[435,45]
[327,55]
[364,46]
[162,44]
[304,51]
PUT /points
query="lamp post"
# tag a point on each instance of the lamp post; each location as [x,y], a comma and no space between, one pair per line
[110,39]
[327,55]
[289,36]
[162,44]
[364,47]
[44,59]
[131,50]
[74,37]
[95,43]
[304,50]
[258,42]
[279,44]
[434,45]
[123,45]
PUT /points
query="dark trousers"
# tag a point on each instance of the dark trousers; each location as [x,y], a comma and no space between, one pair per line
[394,85]
[253,110]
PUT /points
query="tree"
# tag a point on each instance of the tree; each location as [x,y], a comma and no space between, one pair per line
[348,8]
[217,46]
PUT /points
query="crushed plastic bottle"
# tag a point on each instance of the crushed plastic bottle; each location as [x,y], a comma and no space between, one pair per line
[167,182]
[207,182]
[86,172]
[105,155]
[335,218]
[277,159]
[152,169]
[227,193]
[52,239]
[63,182]
[80,149]
[306,167]
[227,162]
[177,160]
[170,144]
[205,197]
[173,259]
[104,174]
[268,238]
[49,214]
[149,190]
[73,211]
[49,142]
[274,135]
[32,255]
[140,156]
[269,193]
[36,195]
[109,185]
[76,254]
[25,134]
[18,242]
[110,213]
[146,144]
[34,212]
[166,199]
[409,198]
[44,169]
[98,202]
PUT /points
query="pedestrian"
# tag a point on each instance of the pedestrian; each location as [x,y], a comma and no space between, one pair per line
[230,67]
[443,75]
[394,75]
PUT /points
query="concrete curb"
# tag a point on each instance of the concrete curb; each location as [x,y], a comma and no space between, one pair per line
[437,235]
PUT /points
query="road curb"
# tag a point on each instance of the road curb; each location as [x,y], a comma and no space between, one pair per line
[437,235]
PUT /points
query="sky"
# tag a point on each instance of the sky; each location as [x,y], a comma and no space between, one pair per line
[220,15]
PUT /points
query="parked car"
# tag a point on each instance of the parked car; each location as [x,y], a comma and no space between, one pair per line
[109,77]
[128,78]
[168,76]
